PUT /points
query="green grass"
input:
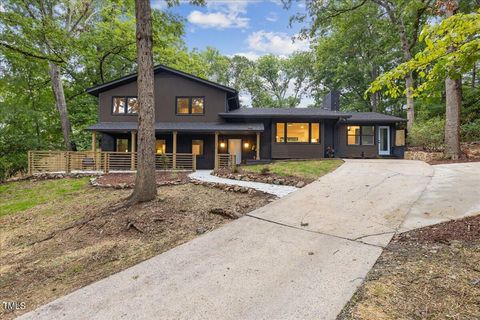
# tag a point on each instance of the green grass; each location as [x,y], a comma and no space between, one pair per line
[19,196]
[307,169]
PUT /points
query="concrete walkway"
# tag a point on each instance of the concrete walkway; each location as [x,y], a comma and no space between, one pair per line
[300,257]
[277,190]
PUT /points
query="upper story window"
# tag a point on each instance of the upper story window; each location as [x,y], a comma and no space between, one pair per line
[190,105]
[360,135]
[124,105]
[297,132]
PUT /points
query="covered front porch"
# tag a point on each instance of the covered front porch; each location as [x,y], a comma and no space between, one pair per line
[114,149]
[213,144]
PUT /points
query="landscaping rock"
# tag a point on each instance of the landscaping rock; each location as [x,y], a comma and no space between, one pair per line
[300,184]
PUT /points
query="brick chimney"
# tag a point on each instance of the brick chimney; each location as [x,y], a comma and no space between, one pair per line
[331,101]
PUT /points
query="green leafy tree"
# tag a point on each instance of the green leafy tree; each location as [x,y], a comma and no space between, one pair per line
[451,48]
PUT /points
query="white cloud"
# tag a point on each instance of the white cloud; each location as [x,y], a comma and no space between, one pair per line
[275,42]
[221,15]
[159,4]
[272,17]
[248,54]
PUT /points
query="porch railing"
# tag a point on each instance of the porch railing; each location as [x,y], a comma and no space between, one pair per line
[76,161]
[226,160]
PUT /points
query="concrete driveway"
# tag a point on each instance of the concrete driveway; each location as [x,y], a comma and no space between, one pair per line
[300,257]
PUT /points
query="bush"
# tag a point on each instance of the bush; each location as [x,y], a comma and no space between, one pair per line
[470,131]
[428,135]
[265,170]
[11,164]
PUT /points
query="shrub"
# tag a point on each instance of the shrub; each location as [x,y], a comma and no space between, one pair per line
[428,135]
[470,131]
[265,170]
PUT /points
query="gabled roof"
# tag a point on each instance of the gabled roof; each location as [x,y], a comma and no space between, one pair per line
[158,68]
[180,126]
[284,112]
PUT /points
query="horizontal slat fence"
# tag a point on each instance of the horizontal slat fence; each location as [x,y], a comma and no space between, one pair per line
[82,161]
[226,160]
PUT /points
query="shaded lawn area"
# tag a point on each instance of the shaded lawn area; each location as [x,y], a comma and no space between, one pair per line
[22,195]
[60,235]
[307,169]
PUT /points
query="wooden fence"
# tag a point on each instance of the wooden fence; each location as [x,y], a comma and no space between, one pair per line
[81,161]
[226,160]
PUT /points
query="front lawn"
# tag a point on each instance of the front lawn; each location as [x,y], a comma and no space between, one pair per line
[305,169]
[22,195]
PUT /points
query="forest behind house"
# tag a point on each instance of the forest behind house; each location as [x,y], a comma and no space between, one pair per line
[386,56]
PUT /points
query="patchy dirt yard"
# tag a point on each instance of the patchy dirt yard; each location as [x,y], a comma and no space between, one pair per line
[430,273]
[60,244]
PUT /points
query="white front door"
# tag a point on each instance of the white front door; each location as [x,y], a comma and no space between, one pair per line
[235,147]
[384,140]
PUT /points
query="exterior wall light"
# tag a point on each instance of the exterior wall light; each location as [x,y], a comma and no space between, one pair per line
[246,145]
[222,145]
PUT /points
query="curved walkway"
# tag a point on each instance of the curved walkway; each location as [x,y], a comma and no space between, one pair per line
[300,257]
[277,190]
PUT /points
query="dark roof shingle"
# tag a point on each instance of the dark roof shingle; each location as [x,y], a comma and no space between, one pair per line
[283,112]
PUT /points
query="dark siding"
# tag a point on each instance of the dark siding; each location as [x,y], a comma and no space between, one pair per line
[167,88]
[107,142]
[296,151]
[329,134]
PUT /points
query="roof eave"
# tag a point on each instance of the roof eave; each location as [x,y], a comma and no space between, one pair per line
[131,77]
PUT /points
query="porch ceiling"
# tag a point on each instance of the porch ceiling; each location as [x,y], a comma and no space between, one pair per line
[198,127]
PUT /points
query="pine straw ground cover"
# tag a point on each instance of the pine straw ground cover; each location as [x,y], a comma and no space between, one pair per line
[70,235]
[430,273]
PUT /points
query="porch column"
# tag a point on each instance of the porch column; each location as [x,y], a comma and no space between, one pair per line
[258,146]
[216,151]
[134,149]
[94,141]
[174,156]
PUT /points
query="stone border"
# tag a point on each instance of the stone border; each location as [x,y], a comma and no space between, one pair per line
[123,185]
[268,178]
[54,175]
[232,188]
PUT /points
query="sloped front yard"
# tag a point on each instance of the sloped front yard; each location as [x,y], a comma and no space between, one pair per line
[430,273]
[59,235]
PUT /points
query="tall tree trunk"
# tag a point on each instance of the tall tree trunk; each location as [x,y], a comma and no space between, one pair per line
[410,104]
[145,184]
[61,104]
[453,92]
[452,119]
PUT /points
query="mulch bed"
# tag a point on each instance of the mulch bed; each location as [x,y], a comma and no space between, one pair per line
[466,230]
[429,273]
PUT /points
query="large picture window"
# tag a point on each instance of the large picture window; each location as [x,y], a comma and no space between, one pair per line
[190,105]
[280,135]
[360,135]
[297,132]
[124,105]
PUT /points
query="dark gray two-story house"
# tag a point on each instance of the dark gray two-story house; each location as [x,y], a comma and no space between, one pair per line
[200,117]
